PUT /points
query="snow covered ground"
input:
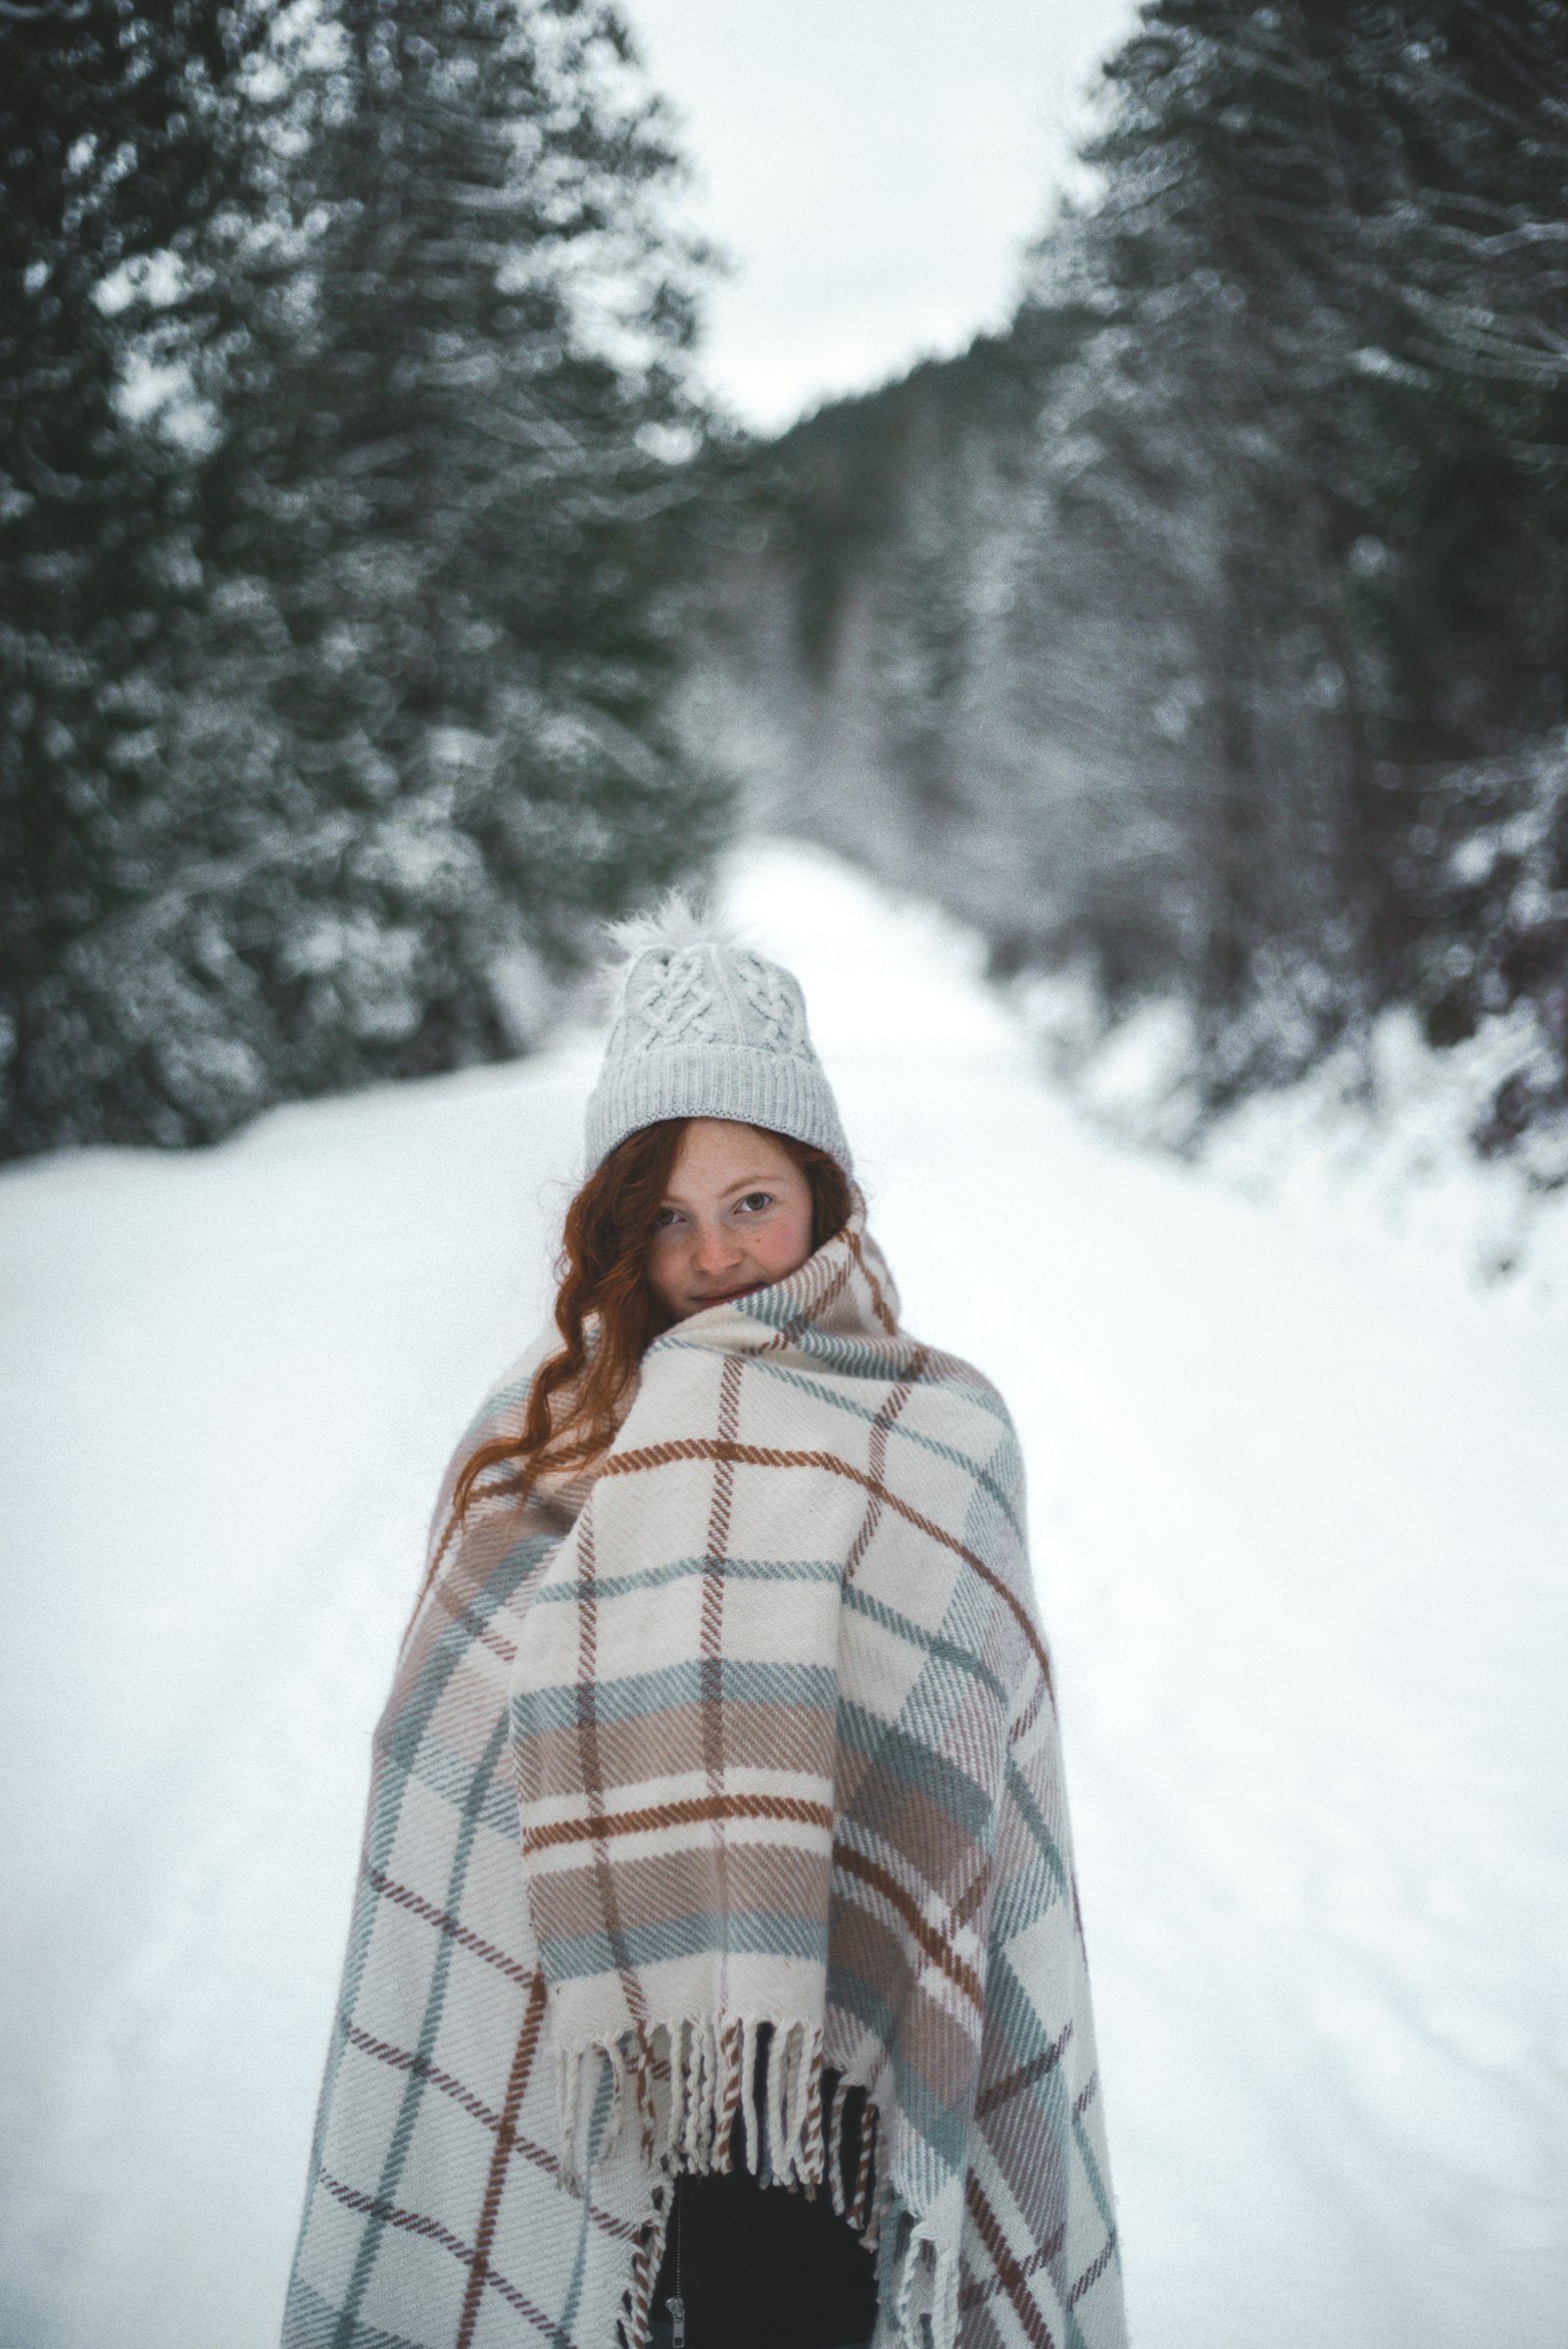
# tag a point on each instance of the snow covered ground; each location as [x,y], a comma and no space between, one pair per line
[1302,1541]
[1372,1148]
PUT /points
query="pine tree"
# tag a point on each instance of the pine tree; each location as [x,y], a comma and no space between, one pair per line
[420,492]
[462,498]
[114,153]
[1365,205]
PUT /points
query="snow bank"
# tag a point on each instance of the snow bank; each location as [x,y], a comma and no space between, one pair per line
[1373,1149]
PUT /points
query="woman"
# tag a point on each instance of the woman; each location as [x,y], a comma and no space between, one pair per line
[715,1975]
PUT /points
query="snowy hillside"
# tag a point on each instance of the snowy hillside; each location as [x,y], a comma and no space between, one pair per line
[1301,1542]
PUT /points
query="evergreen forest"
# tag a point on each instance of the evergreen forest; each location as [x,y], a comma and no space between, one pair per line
[382,606]
[1206,633]
[344,485]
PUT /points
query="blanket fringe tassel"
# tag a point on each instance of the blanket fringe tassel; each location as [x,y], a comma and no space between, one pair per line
[684,2085]
[687,2082]
[922,2290]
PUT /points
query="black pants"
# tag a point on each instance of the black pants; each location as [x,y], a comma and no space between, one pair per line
[662,2335]
[760,2267]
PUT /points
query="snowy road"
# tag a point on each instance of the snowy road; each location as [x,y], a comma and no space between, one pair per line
[1302,1541]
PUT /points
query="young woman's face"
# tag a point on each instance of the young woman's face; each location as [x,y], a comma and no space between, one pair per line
[737,1216]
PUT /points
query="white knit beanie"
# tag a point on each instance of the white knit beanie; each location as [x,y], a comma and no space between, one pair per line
[705,1027]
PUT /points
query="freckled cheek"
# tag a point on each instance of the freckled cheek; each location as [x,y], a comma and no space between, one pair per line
[787,1246]
[665,1262]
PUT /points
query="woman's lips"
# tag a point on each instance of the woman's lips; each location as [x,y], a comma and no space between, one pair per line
[724,1296]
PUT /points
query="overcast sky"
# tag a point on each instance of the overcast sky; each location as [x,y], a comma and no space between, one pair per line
[873,168]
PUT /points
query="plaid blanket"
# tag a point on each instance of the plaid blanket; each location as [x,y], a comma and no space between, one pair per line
[732,1763]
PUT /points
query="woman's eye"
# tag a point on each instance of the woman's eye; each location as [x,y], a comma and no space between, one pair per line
[756,1200]
[666,1218]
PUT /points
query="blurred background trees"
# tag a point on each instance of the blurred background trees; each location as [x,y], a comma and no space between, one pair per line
[344,497]
[380,606]
[1206,632]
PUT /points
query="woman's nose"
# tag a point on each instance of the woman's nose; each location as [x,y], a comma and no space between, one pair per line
[715,1247]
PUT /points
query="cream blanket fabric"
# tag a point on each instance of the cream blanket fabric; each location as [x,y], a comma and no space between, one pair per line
[753,1726]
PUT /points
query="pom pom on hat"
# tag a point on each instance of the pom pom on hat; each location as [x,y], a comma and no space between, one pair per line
[706,1027]
[677,920]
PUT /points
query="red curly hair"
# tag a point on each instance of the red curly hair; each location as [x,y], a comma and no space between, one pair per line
[578,1393]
